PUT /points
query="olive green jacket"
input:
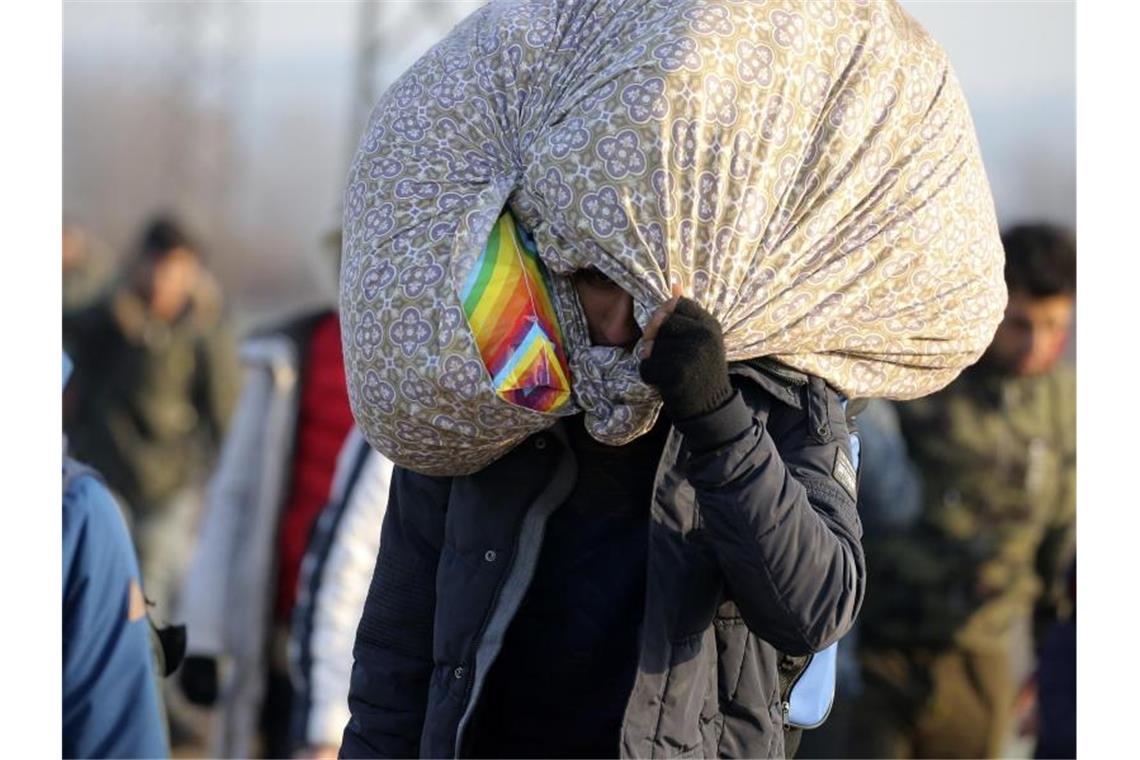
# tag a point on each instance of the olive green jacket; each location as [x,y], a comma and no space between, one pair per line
[150,400]
[995,529]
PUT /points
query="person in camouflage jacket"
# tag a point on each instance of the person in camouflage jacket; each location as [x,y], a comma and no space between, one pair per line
[156,376]
[995,456]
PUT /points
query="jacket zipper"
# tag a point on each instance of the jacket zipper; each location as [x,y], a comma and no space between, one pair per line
[503,580]
[487,620]
[786,697]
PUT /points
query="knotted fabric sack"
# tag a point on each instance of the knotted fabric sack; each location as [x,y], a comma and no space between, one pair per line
[807,171]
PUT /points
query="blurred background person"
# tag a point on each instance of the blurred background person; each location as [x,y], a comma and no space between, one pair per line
[111,703]
[950,588]
[272,481]
[335,575]
[155,381]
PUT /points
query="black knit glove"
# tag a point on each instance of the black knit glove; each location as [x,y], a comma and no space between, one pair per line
[687,364]
[199,680]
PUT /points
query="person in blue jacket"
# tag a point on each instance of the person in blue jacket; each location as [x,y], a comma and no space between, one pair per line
[111,705]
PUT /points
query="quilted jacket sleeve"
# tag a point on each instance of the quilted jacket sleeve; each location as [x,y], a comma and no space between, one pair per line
[777,507]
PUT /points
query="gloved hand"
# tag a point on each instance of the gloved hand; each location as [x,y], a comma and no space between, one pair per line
[683,357]
[199,680]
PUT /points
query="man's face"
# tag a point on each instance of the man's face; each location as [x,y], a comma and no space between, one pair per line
[608,309]
[171,281]
[1031,338]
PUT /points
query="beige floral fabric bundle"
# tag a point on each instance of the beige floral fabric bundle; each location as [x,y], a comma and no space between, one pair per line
[807,171]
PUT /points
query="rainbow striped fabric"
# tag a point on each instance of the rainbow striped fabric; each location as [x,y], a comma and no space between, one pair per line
[507,302]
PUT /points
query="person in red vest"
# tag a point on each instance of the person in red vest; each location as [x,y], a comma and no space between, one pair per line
[272,482]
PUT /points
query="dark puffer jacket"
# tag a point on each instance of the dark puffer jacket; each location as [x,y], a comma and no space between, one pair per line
[754,560]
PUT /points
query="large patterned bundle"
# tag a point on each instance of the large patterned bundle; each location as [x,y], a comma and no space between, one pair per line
[807,171]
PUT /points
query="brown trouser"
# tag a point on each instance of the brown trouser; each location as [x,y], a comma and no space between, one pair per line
[918,704]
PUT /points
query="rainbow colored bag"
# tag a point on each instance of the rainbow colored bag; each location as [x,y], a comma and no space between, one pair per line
[506,300]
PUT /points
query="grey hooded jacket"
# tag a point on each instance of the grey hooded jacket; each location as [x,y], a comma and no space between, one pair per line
[754,562]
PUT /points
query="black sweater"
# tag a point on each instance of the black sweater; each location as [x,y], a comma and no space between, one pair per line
[561,683]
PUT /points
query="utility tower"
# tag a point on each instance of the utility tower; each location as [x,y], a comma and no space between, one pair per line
[201,66]
[370,44]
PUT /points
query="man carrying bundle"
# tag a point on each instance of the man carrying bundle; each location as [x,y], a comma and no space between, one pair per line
[621,520]
[724,537]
